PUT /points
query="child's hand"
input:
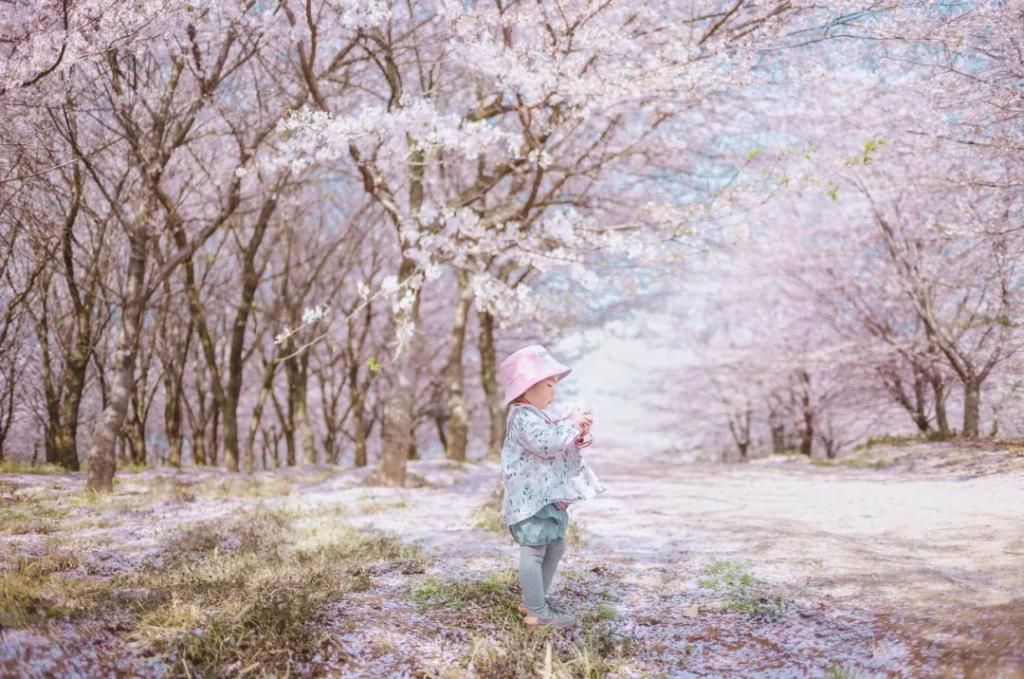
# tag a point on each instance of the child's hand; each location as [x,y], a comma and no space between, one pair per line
[581,417]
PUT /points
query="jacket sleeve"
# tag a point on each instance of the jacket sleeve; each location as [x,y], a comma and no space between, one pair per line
[535,434]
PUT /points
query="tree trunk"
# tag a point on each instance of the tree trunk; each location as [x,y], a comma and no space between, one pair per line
[920,402]
[972,408]
[65,430]
[297,374]
[65,435]
[489,379]
[236,358]
[302,415]
[208,352]
[136,429]
[413,450]
[199,448]
[172,424]
[941,418]
[230,411]
[806,413]
[360,442]
[777,426]
[458,413]
[257,416]
[102,460]
[807,434]
[396,430]
[211,436]
[394,434]
[356,397]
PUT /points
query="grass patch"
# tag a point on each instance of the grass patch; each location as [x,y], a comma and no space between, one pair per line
[185,489]
[32,589]
[899,441]
[234,595]
[513,650]
[603,613]
[595,651]
[378,507]
[494,595]
[30,516]
[488,516]
[744,593]
[248,596]
[851,463]
[837,671]
[574,535]
[15,467]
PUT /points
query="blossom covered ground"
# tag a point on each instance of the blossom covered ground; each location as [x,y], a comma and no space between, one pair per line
[777,568]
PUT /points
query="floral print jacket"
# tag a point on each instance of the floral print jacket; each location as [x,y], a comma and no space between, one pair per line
[541,464]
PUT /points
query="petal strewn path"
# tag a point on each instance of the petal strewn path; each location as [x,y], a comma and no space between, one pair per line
[859,572]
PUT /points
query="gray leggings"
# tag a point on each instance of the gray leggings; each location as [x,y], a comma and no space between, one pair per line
[537,566]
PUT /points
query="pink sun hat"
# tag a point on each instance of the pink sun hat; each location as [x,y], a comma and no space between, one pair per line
[526,367]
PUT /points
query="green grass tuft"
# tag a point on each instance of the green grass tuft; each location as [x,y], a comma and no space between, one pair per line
[744,593]
[488,516]
[30,516]
[15,467]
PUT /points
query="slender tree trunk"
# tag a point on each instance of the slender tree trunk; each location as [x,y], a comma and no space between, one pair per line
[236,358]
[199,448]
[807,428]
[102,460]
[172,424]
[941,418]
[413,450]
[297,373]
[356,397]
[807,434]
[8,407]
[286,415]
[230,411]
[395,438]
[302,415]
[208,351]
[739,427]
[396,429]
[458,413]
[257,416]
[65,429]
[136,429]
[489,379]
[972,408]
[777,425]
[212,436]
[65,439]
[360,435]
[920,402]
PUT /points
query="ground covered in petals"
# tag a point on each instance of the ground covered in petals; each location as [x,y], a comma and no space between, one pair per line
[779,568]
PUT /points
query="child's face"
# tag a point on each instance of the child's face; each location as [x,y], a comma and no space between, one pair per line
[542,393]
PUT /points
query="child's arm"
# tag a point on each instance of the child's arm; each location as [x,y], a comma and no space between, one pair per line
[540,437]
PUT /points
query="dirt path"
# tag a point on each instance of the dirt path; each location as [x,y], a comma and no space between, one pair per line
[886,570]
[768,569]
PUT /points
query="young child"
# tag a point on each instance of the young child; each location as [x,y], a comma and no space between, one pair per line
[543,472]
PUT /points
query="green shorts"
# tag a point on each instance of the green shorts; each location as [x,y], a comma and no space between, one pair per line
[543,528]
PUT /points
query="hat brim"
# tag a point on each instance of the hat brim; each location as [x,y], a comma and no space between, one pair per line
[558,375]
